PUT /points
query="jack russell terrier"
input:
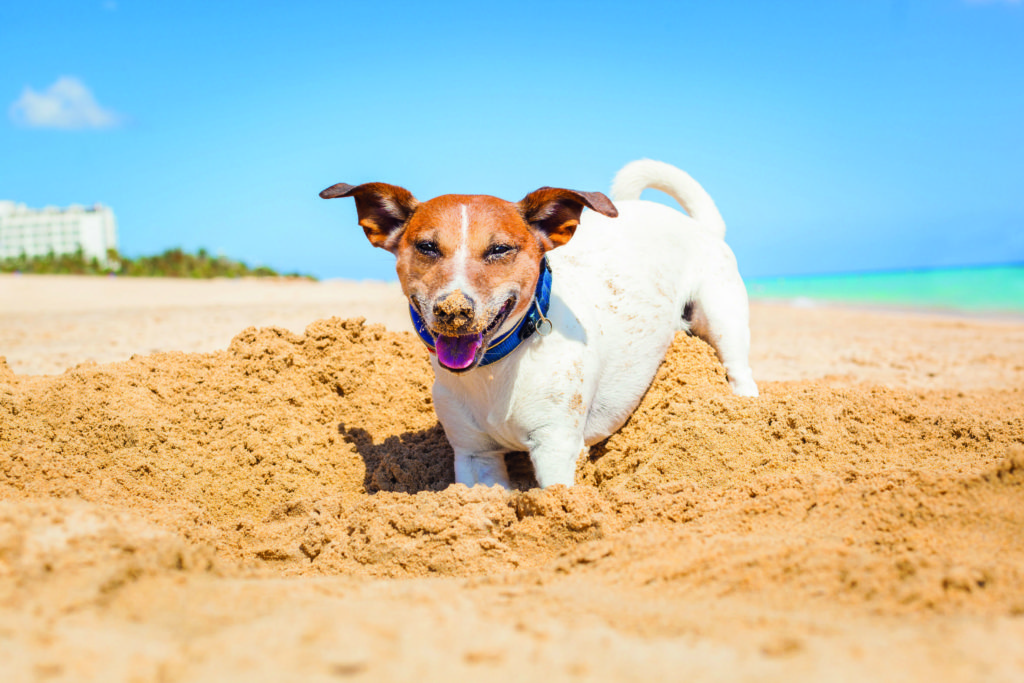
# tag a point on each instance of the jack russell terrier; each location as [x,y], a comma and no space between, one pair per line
[551,351]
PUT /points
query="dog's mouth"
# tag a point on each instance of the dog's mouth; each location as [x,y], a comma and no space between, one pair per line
[459,353]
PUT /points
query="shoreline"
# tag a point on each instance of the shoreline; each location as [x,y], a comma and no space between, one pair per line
[49,324]
[991,315]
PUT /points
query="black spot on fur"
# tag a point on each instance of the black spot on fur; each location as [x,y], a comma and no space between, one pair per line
[688,312]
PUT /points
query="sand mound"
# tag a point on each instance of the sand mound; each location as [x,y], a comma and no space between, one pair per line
[690,427]
[320,454]
[274,418]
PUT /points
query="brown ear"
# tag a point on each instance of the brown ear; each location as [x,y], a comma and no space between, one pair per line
[555,212]
[383,210]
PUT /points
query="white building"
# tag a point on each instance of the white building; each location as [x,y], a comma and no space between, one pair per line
[37,232]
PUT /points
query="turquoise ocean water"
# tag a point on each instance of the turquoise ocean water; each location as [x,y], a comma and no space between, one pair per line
[983,289]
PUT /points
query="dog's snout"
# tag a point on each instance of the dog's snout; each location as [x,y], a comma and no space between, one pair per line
[454,310]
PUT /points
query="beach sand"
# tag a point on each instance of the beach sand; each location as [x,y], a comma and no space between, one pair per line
[235,480]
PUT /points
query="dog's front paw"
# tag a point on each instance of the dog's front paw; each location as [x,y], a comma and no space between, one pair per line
[487,468]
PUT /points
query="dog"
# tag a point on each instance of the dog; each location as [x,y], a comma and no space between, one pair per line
[547,319]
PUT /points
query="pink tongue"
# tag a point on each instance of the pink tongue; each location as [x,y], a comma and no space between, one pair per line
[457,352]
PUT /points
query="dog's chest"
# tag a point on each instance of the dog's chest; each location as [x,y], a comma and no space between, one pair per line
[514,402]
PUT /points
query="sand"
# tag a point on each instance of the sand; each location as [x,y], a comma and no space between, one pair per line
[231,480]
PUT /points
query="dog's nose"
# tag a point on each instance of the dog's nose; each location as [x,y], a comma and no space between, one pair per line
[454,310]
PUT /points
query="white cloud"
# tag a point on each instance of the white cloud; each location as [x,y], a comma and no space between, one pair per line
[66,104]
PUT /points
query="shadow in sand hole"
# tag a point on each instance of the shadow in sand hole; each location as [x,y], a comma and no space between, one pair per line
[420,461]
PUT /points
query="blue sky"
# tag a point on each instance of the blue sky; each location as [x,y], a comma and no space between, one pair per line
[835,136]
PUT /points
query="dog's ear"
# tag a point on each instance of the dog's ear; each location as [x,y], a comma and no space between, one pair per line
[554,213]
[383,210]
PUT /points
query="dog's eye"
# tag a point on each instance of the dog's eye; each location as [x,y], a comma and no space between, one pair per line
[497,251]
[428,248]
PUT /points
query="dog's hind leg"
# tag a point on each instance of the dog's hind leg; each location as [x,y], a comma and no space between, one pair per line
[721,316]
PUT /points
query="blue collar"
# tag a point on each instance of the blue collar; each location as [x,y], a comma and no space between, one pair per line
[535,320]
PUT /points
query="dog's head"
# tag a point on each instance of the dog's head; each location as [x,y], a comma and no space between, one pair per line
[468,263]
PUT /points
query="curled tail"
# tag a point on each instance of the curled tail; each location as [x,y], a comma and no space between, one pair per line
[638,175]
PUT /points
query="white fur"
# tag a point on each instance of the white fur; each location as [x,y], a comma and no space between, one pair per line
[460,281]
[618,294]
[637,176]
